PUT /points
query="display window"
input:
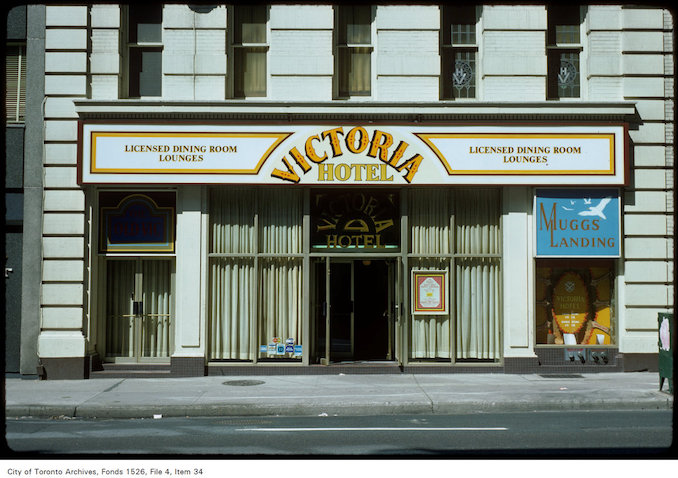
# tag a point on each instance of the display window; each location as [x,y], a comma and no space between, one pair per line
[255,267]
[457,233]
[575,302]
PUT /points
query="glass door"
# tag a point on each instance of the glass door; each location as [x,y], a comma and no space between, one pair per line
[341,311]
[333,321]
[139,310]
[356,304]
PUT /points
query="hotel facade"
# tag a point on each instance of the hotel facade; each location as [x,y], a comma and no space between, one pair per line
[318,188]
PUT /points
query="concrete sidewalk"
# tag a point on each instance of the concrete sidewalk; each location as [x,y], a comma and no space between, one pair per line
[312,395]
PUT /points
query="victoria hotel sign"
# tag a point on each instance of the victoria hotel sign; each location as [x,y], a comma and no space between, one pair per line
[352,154]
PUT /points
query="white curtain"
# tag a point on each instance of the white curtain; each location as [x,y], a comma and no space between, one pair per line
[280,300]
[280,222]
[232,221]
[475,285]
[280,293]
[430,214]
[119,298]
[478,285]
[232,308]
[155,321]
[237,296]
[156,299]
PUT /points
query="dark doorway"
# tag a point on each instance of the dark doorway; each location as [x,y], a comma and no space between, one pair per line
[371,280]
[360,310]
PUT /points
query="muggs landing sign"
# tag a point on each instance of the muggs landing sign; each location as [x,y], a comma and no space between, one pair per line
[351,154]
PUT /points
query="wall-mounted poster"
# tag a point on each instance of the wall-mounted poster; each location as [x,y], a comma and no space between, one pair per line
[429,292]
[578,223]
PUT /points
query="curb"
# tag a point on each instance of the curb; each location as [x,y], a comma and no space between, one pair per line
[320,409]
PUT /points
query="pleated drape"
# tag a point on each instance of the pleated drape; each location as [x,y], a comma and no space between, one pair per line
[238,293]
[232,308]
[156,297]
[119,298]
[429,213]
[469,220]
[280,300]
[155,320]
[280,288]
[478,286]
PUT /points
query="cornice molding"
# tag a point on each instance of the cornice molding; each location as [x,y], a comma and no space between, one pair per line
[364,111]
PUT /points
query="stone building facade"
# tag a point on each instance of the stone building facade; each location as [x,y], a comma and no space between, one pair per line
[439,263]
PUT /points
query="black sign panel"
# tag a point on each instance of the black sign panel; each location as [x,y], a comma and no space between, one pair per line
[350,220]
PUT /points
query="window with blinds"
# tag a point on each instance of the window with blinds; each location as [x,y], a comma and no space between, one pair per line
[15,83]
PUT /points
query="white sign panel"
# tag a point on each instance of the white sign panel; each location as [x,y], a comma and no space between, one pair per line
[352,154]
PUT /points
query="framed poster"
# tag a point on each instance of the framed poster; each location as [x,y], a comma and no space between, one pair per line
[429,293]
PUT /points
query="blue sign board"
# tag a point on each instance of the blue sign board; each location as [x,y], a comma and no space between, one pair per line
[578,223]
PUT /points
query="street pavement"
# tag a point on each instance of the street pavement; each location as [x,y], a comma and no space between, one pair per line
[330,395]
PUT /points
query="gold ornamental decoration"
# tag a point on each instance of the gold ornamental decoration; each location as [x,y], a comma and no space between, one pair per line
[570,302]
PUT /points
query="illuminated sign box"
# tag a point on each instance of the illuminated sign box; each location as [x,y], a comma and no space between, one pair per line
[578,223]
[352,154]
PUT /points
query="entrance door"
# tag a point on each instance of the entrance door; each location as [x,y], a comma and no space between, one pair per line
[355,304]
[139,307]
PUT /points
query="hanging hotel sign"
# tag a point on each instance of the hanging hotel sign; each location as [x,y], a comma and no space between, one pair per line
[429,292]
[578,223]
[356,154]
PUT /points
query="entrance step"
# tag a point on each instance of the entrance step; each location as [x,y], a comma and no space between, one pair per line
[132,371]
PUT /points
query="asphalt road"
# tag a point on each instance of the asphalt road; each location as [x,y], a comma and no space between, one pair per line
[568,434]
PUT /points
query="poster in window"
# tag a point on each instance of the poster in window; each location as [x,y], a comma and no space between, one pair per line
[429,292]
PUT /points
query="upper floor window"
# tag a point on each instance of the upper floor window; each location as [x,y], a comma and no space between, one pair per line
[15,83]
[564,49]
[249,48]
[459,52]
[354,50]
[144,50]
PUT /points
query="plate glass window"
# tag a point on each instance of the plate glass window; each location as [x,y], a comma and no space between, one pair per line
[255,267]
[459,232]
[575,302]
